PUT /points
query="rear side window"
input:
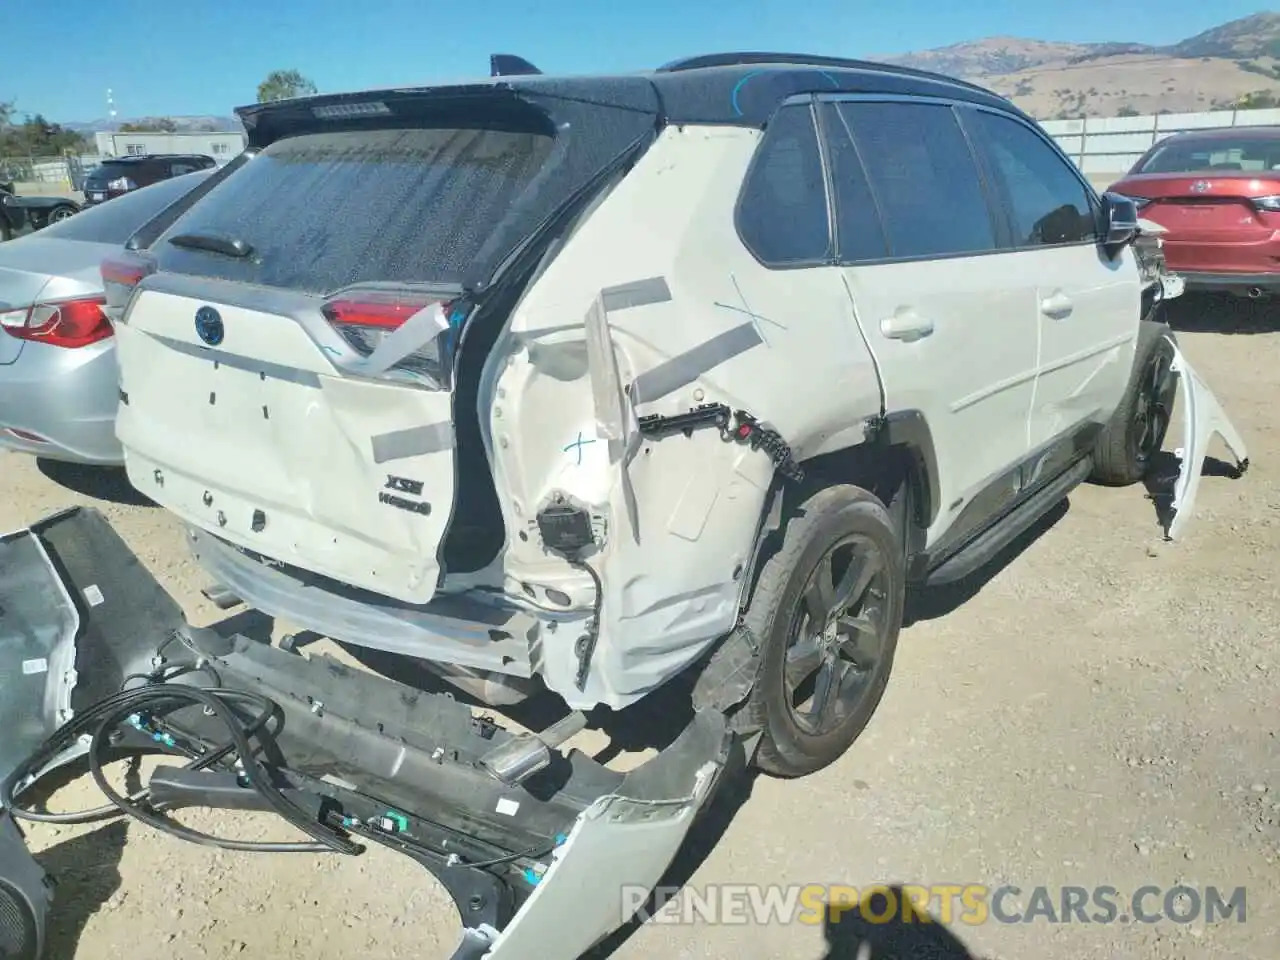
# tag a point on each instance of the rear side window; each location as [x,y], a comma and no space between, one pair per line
[115,221]
[1046,201]
[323,211]
[782,212]
[112,171]
[924,178]
[184,166]
[859,233]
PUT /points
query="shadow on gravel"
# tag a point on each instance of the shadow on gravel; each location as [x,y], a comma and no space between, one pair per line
[654,722]
[850,936]
[1222,313]
[87,871]
[101,483]
[930,603]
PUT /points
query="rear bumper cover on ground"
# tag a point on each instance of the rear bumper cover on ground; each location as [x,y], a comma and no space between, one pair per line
[78,612]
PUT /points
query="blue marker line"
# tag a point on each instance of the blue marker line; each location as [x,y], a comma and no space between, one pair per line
[579,444]
[738,86]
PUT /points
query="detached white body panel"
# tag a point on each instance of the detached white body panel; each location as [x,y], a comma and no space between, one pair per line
[1202,419]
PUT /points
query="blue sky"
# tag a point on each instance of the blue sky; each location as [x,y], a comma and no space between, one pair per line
[208,56]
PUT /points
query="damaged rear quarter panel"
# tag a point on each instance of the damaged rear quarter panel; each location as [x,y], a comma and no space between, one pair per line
[682,513]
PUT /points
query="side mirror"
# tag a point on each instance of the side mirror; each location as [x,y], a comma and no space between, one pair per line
[1119,226]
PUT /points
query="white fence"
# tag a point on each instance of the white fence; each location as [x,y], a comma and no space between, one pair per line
[1109,146]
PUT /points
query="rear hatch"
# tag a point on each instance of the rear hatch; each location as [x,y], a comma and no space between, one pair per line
[288,359]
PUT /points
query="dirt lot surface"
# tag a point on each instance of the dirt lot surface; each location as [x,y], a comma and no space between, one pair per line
[1102,710]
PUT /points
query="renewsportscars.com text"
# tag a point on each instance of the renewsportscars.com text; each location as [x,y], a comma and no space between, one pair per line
[971,904]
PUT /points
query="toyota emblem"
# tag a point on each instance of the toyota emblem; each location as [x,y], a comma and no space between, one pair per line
[209,326]
[1201,186]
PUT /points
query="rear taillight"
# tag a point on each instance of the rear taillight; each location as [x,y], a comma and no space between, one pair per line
[403,335]
[120,276]
[1268,204]
[121,183]
[1138,202]
[62,323]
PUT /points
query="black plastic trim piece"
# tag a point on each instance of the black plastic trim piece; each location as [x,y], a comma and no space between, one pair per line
[995,537]
[909,429]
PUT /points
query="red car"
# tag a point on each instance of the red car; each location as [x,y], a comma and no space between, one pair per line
[1217,192]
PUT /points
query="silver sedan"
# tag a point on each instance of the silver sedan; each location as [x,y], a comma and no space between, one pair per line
[58,375]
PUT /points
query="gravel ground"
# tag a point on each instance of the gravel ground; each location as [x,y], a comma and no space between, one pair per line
[1100,710]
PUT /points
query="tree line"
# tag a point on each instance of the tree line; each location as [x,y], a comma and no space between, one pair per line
[35,136]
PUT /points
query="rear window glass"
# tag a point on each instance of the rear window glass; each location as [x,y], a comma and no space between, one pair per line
[326,210]
[109,170]
[116,220]
[1244,154]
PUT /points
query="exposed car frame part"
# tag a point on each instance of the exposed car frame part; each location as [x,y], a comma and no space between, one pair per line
[533,867]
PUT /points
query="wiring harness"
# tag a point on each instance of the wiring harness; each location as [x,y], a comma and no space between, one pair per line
[144,708]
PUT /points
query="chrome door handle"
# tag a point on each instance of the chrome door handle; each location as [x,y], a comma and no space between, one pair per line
[906,325]
[1057,306]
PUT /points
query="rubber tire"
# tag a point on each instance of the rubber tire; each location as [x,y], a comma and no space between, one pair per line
[49,219]
[1114,464]
[824,518]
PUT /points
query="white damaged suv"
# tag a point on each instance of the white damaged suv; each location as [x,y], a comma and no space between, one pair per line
[589,383]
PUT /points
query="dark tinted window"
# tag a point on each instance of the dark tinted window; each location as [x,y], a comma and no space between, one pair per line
[924,178]
[324,211]
[109,170]
[1046,200]
[859,233]
[116,220]
[184,166]
[782,214]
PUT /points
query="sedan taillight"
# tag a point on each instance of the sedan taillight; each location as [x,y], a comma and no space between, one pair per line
[1268,204]
[61,323]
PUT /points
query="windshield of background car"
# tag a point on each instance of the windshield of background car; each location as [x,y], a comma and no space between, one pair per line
[322,211]
[1226,154]
[116,221]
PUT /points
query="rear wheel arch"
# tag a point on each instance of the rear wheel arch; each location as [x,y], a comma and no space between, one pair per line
[898,465]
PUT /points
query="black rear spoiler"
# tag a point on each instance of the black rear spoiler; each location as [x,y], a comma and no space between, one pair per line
[458,103]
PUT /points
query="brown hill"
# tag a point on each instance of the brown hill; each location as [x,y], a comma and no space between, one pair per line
[1237,63]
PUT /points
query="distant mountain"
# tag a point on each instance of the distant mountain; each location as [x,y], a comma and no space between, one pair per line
[1248,37]
[184,124]
[990,56]
[1213,69]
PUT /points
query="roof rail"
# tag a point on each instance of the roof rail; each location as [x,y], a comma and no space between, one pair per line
[804,59]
